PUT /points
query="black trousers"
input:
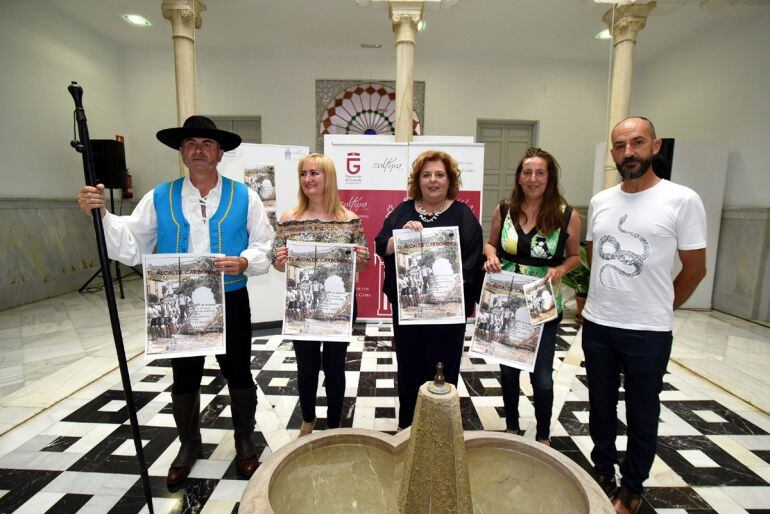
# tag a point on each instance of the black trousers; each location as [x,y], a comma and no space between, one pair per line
[310,360]
[642,357]
[235,365]
[418,349]
[542,384]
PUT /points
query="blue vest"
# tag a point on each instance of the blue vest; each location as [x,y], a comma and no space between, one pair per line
[227,228]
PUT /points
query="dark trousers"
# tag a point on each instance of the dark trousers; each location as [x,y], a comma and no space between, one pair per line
[310,360]
[418,349]
[542,384]
[642,356]
[235,365]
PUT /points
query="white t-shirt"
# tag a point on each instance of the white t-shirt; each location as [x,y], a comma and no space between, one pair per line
[635,239]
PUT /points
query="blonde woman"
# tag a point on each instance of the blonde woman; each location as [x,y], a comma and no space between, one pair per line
[319,216]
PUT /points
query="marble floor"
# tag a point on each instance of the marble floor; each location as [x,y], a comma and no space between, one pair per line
[52,348]
[65,443]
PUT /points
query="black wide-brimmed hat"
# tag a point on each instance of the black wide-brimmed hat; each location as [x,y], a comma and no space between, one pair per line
[198,126]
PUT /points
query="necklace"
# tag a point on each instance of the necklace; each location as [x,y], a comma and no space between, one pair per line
[426,216]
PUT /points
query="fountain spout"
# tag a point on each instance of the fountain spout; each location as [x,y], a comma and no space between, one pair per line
[435,477]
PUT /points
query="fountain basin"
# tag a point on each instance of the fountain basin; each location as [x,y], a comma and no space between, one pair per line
[355,470]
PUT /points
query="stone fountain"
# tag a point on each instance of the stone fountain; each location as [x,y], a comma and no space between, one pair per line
[431,468]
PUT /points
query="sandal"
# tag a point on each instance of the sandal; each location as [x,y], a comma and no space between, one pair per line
[306,428]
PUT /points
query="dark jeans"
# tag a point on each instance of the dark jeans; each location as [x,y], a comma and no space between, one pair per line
[641,356]
[542,384]
[310,360]
[235,365]
[418,349]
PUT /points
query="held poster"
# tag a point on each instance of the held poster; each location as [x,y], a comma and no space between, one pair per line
[541,301]
[320,289]
[504,331]
[429,276]
[184,304]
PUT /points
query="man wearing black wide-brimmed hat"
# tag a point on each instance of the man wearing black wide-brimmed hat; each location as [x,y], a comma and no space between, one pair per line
[202,212]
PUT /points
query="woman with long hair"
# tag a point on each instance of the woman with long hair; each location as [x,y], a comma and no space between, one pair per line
[319,216]
[534,232]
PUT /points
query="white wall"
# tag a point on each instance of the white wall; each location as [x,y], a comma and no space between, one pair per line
[712,87]
[40,53]
[567,98]
[716,87]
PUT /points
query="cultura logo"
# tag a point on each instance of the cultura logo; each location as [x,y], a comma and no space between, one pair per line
[354,162]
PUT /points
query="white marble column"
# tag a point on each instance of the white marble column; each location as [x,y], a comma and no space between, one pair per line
[405,14]
[185,17]
[626,23]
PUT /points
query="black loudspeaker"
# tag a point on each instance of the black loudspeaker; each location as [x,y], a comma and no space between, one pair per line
[109,162]
[661,162]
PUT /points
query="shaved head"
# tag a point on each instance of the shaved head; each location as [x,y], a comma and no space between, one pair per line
[646,121]
[633,146]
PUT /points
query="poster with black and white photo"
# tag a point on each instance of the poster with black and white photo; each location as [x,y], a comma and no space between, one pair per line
[320,289]
[184,304]
[261,179]
[541,301]
[429,276]
[504,330]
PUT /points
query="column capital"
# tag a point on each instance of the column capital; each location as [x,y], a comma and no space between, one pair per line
[186,10]
[404,15]
[628,21]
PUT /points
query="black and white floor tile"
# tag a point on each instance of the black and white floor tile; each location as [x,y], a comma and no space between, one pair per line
[713,452]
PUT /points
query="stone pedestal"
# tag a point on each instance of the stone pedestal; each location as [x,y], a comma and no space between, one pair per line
[405,14]
[624,25]
[435,477]
[185,17]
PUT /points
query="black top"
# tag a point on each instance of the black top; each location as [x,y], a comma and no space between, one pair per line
[471,244]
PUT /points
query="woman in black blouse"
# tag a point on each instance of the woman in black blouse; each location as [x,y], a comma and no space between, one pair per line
[433,186]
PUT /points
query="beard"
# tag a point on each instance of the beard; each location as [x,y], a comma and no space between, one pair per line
[633,167]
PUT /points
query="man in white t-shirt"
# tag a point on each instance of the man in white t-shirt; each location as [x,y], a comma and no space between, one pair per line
[634,232]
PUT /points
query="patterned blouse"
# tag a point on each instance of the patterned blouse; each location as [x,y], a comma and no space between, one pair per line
[319,231]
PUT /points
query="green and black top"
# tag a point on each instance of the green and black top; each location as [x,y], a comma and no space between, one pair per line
[532,253]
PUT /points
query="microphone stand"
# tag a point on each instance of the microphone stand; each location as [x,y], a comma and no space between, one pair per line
[84,147]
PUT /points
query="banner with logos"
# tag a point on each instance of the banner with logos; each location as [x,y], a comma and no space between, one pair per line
[372,174]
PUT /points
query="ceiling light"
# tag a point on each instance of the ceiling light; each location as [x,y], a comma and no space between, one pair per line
[604,34]
[421,25]
[135,19]
[371,45]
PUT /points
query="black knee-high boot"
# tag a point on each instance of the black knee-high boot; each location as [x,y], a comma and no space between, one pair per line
[543,409]
[243,404]
[186,409]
